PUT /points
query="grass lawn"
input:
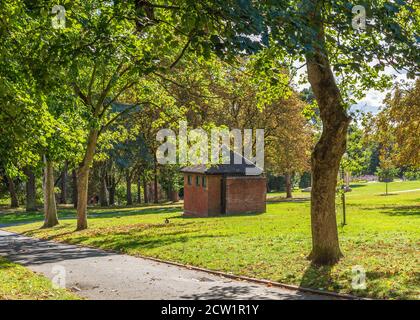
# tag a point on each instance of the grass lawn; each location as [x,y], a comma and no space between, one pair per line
[17,282]
[382,236]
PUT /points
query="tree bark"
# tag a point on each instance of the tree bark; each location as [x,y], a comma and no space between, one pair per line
[83,180]
[128,186]
[138,190]
[174,196]
[145,193]
[328,150]
[63,185]
[14,201]
[112,192]
[288,180]
[74,186]
[50,207]
[155,183]
[30,191]
[103,191]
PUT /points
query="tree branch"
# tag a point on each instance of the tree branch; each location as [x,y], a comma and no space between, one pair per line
[182,54]
[119,114]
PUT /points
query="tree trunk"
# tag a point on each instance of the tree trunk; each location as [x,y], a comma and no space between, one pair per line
[74,185]
[83,180]
[155,183]
[174,196]
[138,190]
[50,207]
[128,185]
[145,194]
[328,150]
[112,192]
[30,191]
[103,191]
[288,178]
[14,201]
[63,185]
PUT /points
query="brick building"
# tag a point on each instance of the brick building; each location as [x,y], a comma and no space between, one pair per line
[223,189]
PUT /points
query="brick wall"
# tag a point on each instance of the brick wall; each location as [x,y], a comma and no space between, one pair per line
[245,194]
[195,197]
[214,196]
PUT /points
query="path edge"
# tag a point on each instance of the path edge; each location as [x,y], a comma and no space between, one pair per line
[341,296]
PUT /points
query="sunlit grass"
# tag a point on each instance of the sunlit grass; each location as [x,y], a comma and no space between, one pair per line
[382,235]
[17,282]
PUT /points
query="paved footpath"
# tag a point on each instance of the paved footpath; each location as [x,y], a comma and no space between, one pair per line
[96,274]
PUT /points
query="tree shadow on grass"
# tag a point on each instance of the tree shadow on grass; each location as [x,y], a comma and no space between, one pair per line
[12,219]
[110,214]
[283,199]
[398,211]
[127,242]
[140,236]
[319,277]
[220,215]
[357,185]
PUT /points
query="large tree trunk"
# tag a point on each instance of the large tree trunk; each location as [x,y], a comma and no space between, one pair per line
[83,180]
[103,191]
[288,181]
[138,190]
[50,208]
[63,184]
[14,201]
[145,193]
[30,191]
[128,185]
[155,183]
[328,151]
[74,185]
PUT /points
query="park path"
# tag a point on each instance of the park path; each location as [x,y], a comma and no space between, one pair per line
[403,191]
[96,274]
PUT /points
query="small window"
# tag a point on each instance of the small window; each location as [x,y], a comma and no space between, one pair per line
[197,181]
[204,182]
[189,180]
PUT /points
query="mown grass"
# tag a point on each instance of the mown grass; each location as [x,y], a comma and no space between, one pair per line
[17,282]
[382,235]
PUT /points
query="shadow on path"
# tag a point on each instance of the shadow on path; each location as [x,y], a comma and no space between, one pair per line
[28,251]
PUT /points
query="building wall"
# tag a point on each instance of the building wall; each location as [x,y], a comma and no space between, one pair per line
[214,183]
[245,194]
[195,197]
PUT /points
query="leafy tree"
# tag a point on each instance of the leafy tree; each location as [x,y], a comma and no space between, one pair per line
[399,121]
[386,173]
[320,34]
[358,152]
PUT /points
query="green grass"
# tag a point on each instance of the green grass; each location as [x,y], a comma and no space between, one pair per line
[382,236]
[17,282]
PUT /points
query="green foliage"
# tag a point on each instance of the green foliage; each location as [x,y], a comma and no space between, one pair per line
[359,151]
[387,174]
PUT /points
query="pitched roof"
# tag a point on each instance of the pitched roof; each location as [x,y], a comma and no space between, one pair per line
[243,166]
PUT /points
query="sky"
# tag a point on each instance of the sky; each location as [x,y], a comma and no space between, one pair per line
[373,99]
